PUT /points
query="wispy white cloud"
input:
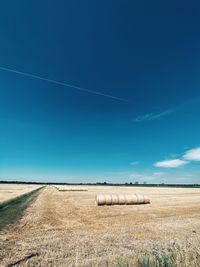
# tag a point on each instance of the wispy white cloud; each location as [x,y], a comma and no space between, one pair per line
[173,163]
[133,163]
[192,154]
[154,115]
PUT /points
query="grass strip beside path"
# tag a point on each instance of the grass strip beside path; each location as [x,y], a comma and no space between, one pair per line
[12,210]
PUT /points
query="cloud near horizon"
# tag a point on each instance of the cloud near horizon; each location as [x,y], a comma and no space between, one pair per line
[192,154]
[174,163]
[153,116]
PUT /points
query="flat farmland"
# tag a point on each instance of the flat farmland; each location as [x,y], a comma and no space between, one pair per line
[67,228]
[10,191]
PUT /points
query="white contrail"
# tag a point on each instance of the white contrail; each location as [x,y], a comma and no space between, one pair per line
[61,83]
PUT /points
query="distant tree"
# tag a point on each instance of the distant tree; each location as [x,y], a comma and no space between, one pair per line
[145,182]
[136,182]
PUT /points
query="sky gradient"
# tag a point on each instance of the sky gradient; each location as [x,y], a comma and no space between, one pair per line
[94,91]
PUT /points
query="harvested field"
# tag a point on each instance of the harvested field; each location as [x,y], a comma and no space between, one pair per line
[10,191]
[68,229]
[12,210]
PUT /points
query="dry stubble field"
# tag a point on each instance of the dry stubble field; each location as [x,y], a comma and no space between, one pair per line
[63,228]
[10,191]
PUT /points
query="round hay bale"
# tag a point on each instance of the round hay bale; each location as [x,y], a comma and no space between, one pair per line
[134,199]
[146,200]
[100,200]
[140,199]
[122,199]
[108,199]
[115,199]
[129,199]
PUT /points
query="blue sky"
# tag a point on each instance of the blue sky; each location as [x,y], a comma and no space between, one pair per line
[100,91]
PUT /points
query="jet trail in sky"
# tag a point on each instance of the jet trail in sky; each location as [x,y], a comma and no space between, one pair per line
[62,83]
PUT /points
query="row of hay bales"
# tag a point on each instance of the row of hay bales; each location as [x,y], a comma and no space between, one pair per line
[113,199]
[69,189]
[72,190]
[120,199]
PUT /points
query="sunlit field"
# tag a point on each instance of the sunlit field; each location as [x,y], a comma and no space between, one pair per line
[10,191]
[67,228]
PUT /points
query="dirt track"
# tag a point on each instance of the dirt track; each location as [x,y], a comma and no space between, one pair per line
[68,229]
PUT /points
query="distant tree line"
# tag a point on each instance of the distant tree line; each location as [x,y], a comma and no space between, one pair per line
[144,184]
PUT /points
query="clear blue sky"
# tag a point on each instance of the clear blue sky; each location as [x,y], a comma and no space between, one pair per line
[142,59]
